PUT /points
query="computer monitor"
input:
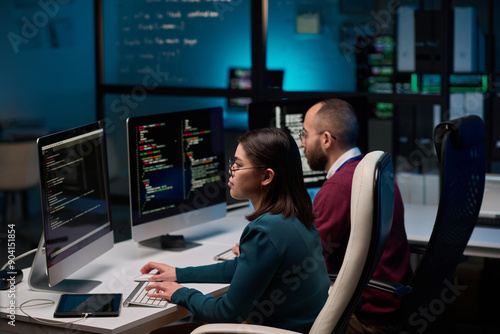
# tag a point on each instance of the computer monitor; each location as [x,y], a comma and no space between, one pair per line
[75,207]
[176,174]
[241,78]
[289,115]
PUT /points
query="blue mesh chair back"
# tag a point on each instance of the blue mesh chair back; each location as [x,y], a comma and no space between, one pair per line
[460,149]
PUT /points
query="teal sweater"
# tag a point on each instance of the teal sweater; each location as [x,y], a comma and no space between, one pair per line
[279,279]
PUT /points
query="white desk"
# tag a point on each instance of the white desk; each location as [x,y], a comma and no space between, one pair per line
[117,269]
[419,221]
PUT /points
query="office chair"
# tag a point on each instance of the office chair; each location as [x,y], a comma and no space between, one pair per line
[372,205]
[18,174]
[428,308]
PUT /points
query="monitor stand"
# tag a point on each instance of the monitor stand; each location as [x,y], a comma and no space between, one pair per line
[38,279]
[170,242]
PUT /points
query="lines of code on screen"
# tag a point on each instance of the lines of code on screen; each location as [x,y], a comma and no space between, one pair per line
[74,193]
[178,165]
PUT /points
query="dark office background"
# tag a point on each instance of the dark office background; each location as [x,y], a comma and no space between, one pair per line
[62,65]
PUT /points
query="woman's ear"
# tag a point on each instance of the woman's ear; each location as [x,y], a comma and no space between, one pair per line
[268,177]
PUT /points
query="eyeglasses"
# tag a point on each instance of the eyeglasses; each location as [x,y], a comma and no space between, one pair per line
[303,134]
[232,170]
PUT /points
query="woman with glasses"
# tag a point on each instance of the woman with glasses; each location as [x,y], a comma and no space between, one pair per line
[280,278]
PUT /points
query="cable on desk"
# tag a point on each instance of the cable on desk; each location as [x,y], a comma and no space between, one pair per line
[44,302]
[19,257]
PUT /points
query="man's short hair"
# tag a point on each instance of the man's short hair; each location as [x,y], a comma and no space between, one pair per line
[339,118]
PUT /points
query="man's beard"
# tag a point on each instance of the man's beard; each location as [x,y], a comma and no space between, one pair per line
[316,159]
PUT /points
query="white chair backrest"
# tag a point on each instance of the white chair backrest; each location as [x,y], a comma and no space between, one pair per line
[362,199]
[18,165]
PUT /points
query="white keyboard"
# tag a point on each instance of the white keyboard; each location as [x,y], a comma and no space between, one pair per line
[224,256]
[139,297]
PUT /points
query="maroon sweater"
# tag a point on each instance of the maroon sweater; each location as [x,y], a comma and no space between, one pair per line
[332,205]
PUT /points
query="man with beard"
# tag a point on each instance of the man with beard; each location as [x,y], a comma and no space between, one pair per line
[329,136]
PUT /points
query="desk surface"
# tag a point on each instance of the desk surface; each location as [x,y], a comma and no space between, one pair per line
[117,269]
[419,221]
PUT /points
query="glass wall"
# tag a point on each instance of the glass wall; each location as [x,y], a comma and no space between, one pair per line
[316,43]
[180,44]
[395,56]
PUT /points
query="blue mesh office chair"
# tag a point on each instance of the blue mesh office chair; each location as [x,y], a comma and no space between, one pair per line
[460,149]
[428,308]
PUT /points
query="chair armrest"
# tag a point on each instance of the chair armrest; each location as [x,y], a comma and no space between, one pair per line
[396,289]
[418,247]
[239,328]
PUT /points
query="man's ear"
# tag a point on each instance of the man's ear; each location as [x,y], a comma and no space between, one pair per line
[268,177]
[326,139]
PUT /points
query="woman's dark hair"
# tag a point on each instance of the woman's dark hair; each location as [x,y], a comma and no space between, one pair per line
[287,193]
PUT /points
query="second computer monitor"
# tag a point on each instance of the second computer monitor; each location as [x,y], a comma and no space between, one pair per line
[176,172]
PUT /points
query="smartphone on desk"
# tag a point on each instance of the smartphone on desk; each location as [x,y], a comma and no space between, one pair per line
[90,304]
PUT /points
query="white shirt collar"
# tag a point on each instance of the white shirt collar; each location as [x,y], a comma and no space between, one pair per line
[343,158]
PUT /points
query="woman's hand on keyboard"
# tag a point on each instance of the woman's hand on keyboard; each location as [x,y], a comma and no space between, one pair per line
[163,289]
[165,273]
